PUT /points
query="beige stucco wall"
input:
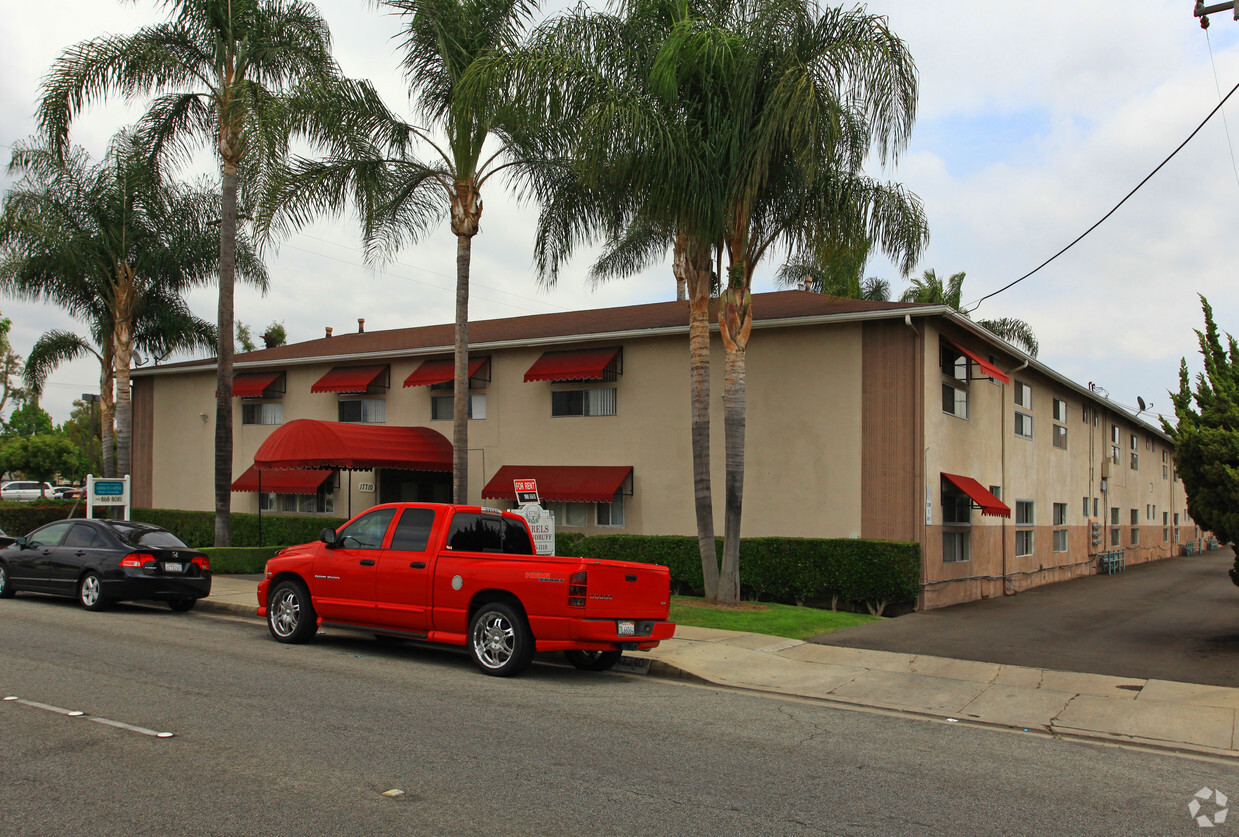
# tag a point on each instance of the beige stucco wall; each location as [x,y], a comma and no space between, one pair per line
[803,431]
[986,448]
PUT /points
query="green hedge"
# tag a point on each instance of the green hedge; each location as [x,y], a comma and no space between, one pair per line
[18,518]
[240,560]
[795,570]
[197,528]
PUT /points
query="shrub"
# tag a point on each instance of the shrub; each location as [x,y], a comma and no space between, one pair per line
[792,570]
[197,528]
[19,518]
[242,560]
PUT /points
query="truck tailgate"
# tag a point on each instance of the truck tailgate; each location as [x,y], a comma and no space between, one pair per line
[620,590]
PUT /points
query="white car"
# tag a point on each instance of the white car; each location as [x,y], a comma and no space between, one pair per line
[26,490]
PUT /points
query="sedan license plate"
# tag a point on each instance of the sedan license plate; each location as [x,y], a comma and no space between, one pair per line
[627,628]
[173,567]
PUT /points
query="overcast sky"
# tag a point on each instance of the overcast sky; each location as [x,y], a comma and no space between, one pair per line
[1035,119]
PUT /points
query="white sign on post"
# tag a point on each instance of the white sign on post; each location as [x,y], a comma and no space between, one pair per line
[107,492]
[542,524]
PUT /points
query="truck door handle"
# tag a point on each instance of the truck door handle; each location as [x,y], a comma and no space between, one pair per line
[367,562]
[418,565]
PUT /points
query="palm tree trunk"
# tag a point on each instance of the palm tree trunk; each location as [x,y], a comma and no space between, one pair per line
[122,335]
[107,416]
[735,325]
[693,274]
[223,374]
[466,215]
[460,381]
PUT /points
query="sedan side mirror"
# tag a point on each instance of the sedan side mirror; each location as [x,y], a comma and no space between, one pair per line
[22,543]
[328,536]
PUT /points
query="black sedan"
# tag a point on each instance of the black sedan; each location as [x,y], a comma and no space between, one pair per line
[102,561]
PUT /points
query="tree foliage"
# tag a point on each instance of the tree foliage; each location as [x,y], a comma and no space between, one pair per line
[931,290]
[29,420]
[41,456]
[1206,436]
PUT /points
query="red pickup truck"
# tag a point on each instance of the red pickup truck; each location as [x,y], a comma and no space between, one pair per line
[464,575]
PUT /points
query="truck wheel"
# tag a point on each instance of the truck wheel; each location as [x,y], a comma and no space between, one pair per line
[90,592]
[499,640]
[593,660]
[290,613]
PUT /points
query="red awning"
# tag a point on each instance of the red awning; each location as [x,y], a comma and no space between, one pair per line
[562,483]
[348,379]
[989,369]
[282,482]
[440,372]
[574,365]
[988,502]
[309,443]
[253,384]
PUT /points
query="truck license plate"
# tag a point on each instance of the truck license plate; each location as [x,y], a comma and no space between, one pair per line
[627,628]
[173,567]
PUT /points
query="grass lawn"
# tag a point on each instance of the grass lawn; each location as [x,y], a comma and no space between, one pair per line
[762,618]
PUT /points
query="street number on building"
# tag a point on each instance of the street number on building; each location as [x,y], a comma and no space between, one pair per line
[365,487]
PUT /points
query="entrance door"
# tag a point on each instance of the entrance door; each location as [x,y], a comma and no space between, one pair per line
[400,486]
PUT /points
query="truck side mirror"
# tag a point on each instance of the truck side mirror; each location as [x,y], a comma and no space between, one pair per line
[328,536]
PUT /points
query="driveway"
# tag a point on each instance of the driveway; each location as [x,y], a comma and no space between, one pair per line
[1176,619]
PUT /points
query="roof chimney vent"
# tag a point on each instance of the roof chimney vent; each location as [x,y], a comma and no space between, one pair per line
[361,325]
[328,331]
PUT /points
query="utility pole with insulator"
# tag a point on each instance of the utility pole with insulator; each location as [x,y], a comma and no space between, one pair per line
[1202,11]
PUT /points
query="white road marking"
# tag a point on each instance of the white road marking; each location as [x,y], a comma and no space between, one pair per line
[75,713]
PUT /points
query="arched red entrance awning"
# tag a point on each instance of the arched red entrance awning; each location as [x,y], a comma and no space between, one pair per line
[309,443]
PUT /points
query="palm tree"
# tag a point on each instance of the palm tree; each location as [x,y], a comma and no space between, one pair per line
[836,270]
[929,289]
[116,246]
[162,325]
[470,136]
[216,68]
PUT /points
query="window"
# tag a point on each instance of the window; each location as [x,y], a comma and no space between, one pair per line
[1116,537]
[1165,534]
[1096,510]
[612,513]
[1084,413]
[1135,461]
[1165,472]
[1135,536]
[1023,395]
[996,490]
[570,514]
[413,530]
[441,406]
[321,502]
[1135,517]
[1176,518]
[953,362]
[1060,436]
[367,531]
[264,412]
[1060,520]
[1060,410]
[1165,518]
[1086,507]
[1114,434]
[583,402]
[956,522]
[1060,514]
[1060,540]
[1024,514]
[1114,516]
[488,532]
[1114,454]
[1023,425]
[954,401]
[363,411]
[1135,442]
[81,535]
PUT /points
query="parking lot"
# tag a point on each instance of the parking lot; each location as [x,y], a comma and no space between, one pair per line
[1176,619]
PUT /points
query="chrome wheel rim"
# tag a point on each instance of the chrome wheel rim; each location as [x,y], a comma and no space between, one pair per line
[494,640]
[90,590]
[285,613]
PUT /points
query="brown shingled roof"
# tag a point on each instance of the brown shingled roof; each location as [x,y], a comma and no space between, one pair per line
[537,328]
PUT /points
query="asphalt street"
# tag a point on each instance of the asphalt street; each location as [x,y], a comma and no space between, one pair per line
[1176,619]
[290,740]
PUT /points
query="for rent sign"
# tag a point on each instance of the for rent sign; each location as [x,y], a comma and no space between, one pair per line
[526,491]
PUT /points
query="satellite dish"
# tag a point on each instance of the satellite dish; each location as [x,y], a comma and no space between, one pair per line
[138,360]
[1141,404]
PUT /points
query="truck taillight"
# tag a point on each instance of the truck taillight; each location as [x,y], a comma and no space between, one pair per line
[137,559]
[202,563]
[576,589]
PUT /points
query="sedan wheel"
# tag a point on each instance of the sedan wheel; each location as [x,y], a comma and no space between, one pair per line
[90,592]
[182,605]
[499,640]
[290,613]
[6,589]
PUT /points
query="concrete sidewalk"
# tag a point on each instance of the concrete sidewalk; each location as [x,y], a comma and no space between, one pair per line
[1158,713]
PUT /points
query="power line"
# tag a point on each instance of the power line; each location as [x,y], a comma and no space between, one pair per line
[1105,217]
